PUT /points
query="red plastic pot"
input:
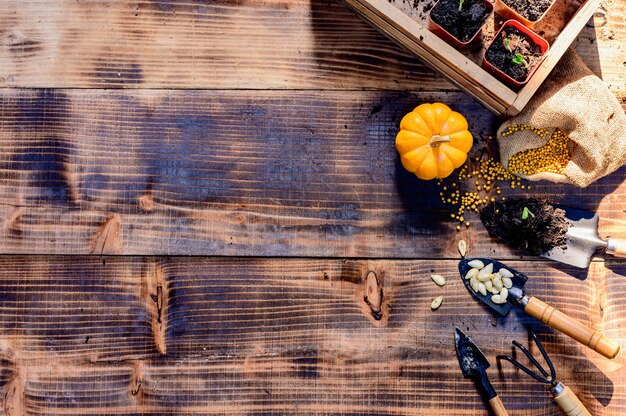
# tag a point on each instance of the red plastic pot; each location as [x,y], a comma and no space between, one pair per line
[449,38]
[508,13]
[535,38]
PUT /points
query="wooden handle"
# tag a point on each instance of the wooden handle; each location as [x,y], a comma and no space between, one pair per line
[616,248]
[571,327]
[497,407]
[569,403]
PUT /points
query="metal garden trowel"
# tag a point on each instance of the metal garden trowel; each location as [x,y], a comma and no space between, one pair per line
[536,308]
[583,240]
[474,366]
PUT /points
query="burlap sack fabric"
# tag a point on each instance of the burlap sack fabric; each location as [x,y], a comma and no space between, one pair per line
[577,102]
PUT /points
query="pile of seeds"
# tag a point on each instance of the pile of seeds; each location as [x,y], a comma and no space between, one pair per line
[552,157]
[483,279]
[486,175]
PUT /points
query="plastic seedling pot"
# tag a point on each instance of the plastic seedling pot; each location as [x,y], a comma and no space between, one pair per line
[507,12]
[449,38]
[535,38]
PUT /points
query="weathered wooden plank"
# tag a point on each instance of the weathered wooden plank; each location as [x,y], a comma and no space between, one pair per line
[259,336]
[234,173]
[229,44]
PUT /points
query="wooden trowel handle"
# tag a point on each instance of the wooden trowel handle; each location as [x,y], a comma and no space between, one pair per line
[497,407]
[571,327]
[570,404]
[616,248]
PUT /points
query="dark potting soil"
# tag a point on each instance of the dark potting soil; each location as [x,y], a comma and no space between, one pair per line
[535,232]
[463,24]
[502,58]
[529,9]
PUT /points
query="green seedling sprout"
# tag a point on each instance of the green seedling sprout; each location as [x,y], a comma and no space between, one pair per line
[526,212]
[461,4]
[507,44]
[519,60]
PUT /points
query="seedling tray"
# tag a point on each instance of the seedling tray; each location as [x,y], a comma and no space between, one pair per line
[405,22]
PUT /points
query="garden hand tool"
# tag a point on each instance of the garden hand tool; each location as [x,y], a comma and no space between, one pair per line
[563,395]
[540,310]
[474,365]
[583,240]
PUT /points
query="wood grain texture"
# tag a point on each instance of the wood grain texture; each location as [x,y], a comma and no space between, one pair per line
[235,173]
[270,336]
[232,44]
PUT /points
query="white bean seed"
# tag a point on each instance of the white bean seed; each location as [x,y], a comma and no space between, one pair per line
[439,279]
[507,282]
[483,278]
[476,263]
[482,289]
[505,273]
[472,273]
[497,282]
[489,285]
[474,284]
[504,293]
[489,268]
[483,274]
[496,299]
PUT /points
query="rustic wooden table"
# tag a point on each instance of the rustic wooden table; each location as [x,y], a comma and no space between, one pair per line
[193,192]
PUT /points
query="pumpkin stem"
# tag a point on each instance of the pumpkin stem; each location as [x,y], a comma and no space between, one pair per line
[436,140]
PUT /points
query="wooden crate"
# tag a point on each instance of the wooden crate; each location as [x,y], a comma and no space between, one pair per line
[405,22]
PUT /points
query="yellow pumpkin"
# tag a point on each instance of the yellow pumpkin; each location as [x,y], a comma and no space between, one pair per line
[433,141]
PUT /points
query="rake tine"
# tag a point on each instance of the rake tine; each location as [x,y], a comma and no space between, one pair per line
[544,354]
[531,358]
[521,367]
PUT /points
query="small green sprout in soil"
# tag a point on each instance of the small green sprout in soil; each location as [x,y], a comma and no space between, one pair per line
[526,212]
[543,229]
[461,4]
[519,59]
[507,44]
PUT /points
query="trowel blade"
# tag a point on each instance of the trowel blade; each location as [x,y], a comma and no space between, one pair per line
[582,239]
[518,279]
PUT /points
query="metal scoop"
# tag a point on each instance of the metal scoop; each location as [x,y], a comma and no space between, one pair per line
[474,366]
[540,310]
[563,395]
[583,240]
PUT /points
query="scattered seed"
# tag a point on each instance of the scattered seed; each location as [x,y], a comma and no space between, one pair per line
[505,273]
[476,264]
[472,273]
[436,302]
[439,279]
[508,283]
[462,248]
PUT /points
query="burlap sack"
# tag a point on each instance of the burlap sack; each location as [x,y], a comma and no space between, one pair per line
[577,102]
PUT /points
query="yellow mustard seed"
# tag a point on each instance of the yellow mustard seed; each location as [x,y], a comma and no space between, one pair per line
[552,157]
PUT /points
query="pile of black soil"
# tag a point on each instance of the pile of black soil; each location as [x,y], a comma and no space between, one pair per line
[529,9]
[501,57]
[463,24]
[528,224]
